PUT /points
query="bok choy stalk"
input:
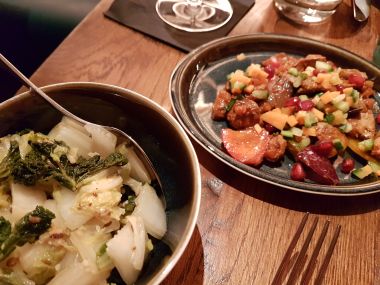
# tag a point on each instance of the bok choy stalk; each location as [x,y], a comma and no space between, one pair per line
[27,229]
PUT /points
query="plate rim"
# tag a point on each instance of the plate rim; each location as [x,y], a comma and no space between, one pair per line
[326,190]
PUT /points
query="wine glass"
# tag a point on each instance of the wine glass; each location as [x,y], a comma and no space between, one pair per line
[307,11]
[194,15]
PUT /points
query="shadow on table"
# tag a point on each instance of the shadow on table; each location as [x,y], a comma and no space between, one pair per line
[190,267]
[298,201]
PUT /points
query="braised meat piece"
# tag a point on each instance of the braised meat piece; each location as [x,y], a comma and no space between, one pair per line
[243,114]
[309,86]
[280,90]
[367,90]
[276,148]
[279,63]
[219,108]
[345,73]
[309,60]
[363,127]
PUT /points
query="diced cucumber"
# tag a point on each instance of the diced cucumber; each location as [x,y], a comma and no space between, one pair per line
[366,145]
[296,131]
[321,65]
[362,172]
[310,119]
[319,94]
[303,97]
[338,99]
[346,128]
[304,142]
[237,86]
[343,106]
[355,95]
[375,166]
[329,118]
[293,71]
[297,81]
[260,94]
[338,144]
[303,75]
[287,134]
[309,70]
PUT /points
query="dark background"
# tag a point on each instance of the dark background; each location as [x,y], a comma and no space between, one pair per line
[31,29]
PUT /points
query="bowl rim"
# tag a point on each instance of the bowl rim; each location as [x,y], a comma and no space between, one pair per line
[160,275]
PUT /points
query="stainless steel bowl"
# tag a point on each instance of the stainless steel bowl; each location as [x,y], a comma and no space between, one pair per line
[154,129]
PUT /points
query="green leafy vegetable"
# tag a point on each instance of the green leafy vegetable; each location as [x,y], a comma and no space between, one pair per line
[5,229]
[49,159]
[27,229]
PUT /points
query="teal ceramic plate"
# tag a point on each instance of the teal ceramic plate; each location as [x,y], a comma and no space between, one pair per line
[202,72]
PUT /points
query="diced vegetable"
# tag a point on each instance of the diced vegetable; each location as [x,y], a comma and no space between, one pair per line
[324,66]
[276,119]
[362,172]
[366,145]
[293,71]
[338,144]
[287,134]
[260,94]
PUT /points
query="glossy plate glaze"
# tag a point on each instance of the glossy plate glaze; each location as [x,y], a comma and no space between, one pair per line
[198,77]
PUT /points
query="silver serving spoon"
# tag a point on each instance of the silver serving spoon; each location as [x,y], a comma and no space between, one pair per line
[122,137]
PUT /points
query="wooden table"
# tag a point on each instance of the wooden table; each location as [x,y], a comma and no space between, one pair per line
[242,232]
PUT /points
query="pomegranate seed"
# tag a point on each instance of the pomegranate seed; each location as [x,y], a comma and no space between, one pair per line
[271,129]
[293,102]
[297,172]
[356,79]
[323,147]
[274,62]
[306,105]
[347,165]
[315,72]
[378,119]
[339,87]
[270,70]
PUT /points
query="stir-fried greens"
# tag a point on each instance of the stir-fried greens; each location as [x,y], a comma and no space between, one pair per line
[308,107]
[74,208]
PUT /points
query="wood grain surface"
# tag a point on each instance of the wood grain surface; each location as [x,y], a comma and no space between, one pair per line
[243,231]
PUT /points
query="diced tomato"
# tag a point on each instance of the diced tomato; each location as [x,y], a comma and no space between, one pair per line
[292,102]
[356,79]
[247,146]
[323,147]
